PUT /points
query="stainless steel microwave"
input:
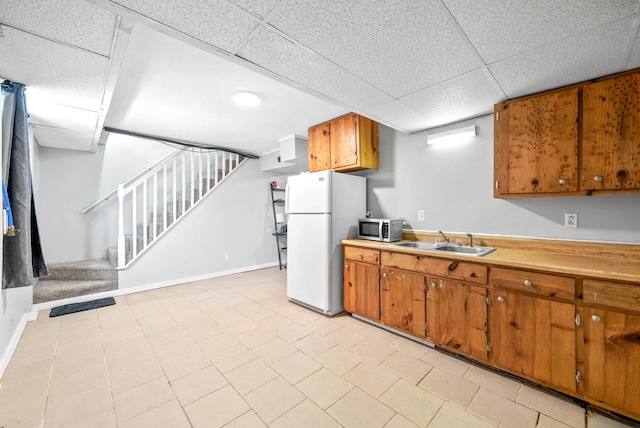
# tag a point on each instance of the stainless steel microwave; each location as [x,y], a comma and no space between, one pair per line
[379,229]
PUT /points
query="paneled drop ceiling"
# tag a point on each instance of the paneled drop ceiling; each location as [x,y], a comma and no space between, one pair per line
[168,68]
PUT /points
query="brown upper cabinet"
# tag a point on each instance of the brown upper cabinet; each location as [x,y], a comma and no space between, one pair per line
[346,143]
[579,140]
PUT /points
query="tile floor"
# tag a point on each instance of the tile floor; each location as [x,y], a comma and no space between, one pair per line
[233,352]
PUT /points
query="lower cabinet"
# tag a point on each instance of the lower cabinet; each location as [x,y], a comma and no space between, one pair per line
[402,300]
[612,359]
[457,317]
[361,289]
[534,337]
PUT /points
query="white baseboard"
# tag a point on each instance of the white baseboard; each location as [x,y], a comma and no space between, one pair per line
[5,358]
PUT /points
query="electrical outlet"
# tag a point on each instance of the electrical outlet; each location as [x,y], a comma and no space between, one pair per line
[570,220]
[421,215]
[226,257]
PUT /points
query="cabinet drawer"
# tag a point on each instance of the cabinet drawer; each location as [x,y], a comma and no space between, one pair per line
[362,255]
[454,269]
[612,294]
[541,284]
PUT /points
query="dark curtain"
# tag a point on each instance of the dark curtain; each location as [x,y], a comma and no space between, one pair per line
[23,257]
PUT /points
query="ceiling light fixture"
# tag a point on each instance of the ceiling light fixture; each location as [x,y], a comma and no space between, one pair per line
[452,135]
[246,99]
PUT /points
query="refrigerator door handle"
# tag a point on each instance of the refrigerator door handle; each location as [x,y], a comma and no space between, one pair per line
[286,198]
[380,229]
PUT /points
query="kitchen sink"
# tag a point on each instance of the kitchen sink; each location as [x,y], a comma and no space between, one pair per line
[445,248]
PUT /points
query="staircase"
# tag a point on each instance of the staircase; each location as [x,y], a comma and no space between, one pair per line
[76,279]
[149,205]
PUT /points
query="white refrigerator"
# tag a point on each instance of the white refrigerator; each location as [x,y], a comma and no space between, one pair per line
[323,208]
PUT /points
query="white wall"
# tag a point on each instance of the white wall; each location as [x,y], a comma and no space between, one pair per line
[69,181]
[453,185]
[235,219]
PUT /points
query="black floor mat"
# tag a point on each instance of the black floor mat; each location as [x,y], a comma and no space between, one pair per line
[82,306]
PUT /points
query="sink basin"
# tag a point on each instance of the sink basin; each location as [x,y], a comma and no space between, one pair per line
[446,248]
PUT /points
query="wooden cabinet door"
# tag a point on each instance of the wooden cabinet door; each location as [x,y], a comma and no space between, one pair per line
[612,359]
[611,134]
[362,289]
[402,300]
[457,317]
[534,337]
[536,144]
[319,145]
[344,142]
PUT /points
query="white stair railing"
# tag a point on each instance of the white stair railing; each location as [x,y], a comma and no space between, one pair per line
[151,203]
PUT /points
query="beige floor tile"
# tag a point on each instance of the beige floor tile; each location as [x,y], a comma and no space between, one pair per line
[274,351]
[373,350]
[157,338]
[292,332]
[358,409]
[275,322]
[259,314]
[449,387]
[545,421]
[501,411]
[220,342]
[169,414]
[190,315]
[494,382]
[216,409]
[16,374]
[345,337]
[142,398]
[198,384]
[596,420]
[313,345]
[451,416]
[79,383]
[103,420]
[273,399]
[305,414]
[239,326]
[78,409]
[404,365]
[296,367]
[126,378]
[446,362]
[323,326]
[248,377]
[339,360]
[412,402]
[556,408]
[176,348]
[304,316]
[26,413]
[185,364]
[247,420]
[377,333]
[256,337]
[233,357]
[370,378]
[399,421]
[324,387]
[156,320]
[201,331]
[28,390]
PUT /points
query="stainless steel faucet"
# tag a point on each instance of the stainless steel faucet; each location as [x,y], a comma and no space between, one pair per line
[470,236]
[446,240]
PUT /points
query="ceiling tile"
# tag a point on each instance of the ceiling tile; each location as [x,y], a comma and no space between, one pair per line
[576,59]
[634,57]
[398,46]
[260,8]
[215,22]
[503,29]
[285,58]
[466,96]
[61,116]
[51,71]
[397,115]
[77,23]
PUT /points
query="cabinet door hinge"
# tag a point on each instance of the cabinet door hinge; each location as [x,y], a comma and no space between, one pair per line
[426,326]
[488,347]
[577,320]
[497,115]
[578,376]
[488,300]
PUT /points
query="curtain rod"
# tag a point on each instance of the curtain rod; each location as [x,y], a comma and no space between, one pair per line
[178,142]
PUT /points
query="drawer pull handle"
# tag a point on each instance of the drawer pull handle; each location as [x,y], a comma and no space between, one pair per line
[433,285]
[384,275]
[360,255]
[500,299]
[597,178]
[527,283]
[453,266]
[562,181]
[596,318]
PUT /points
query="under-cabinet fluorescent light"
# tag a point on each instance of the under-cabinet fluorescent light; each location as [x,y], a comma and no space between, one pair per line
[451,135]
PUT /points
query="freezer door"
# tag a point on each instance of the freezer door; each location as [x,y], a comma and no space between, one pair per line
[309,193]
[309,260]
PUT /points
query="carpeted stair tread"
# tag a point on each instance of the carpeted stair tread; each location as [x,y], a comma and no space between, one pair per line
[94,270]
[46,291]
